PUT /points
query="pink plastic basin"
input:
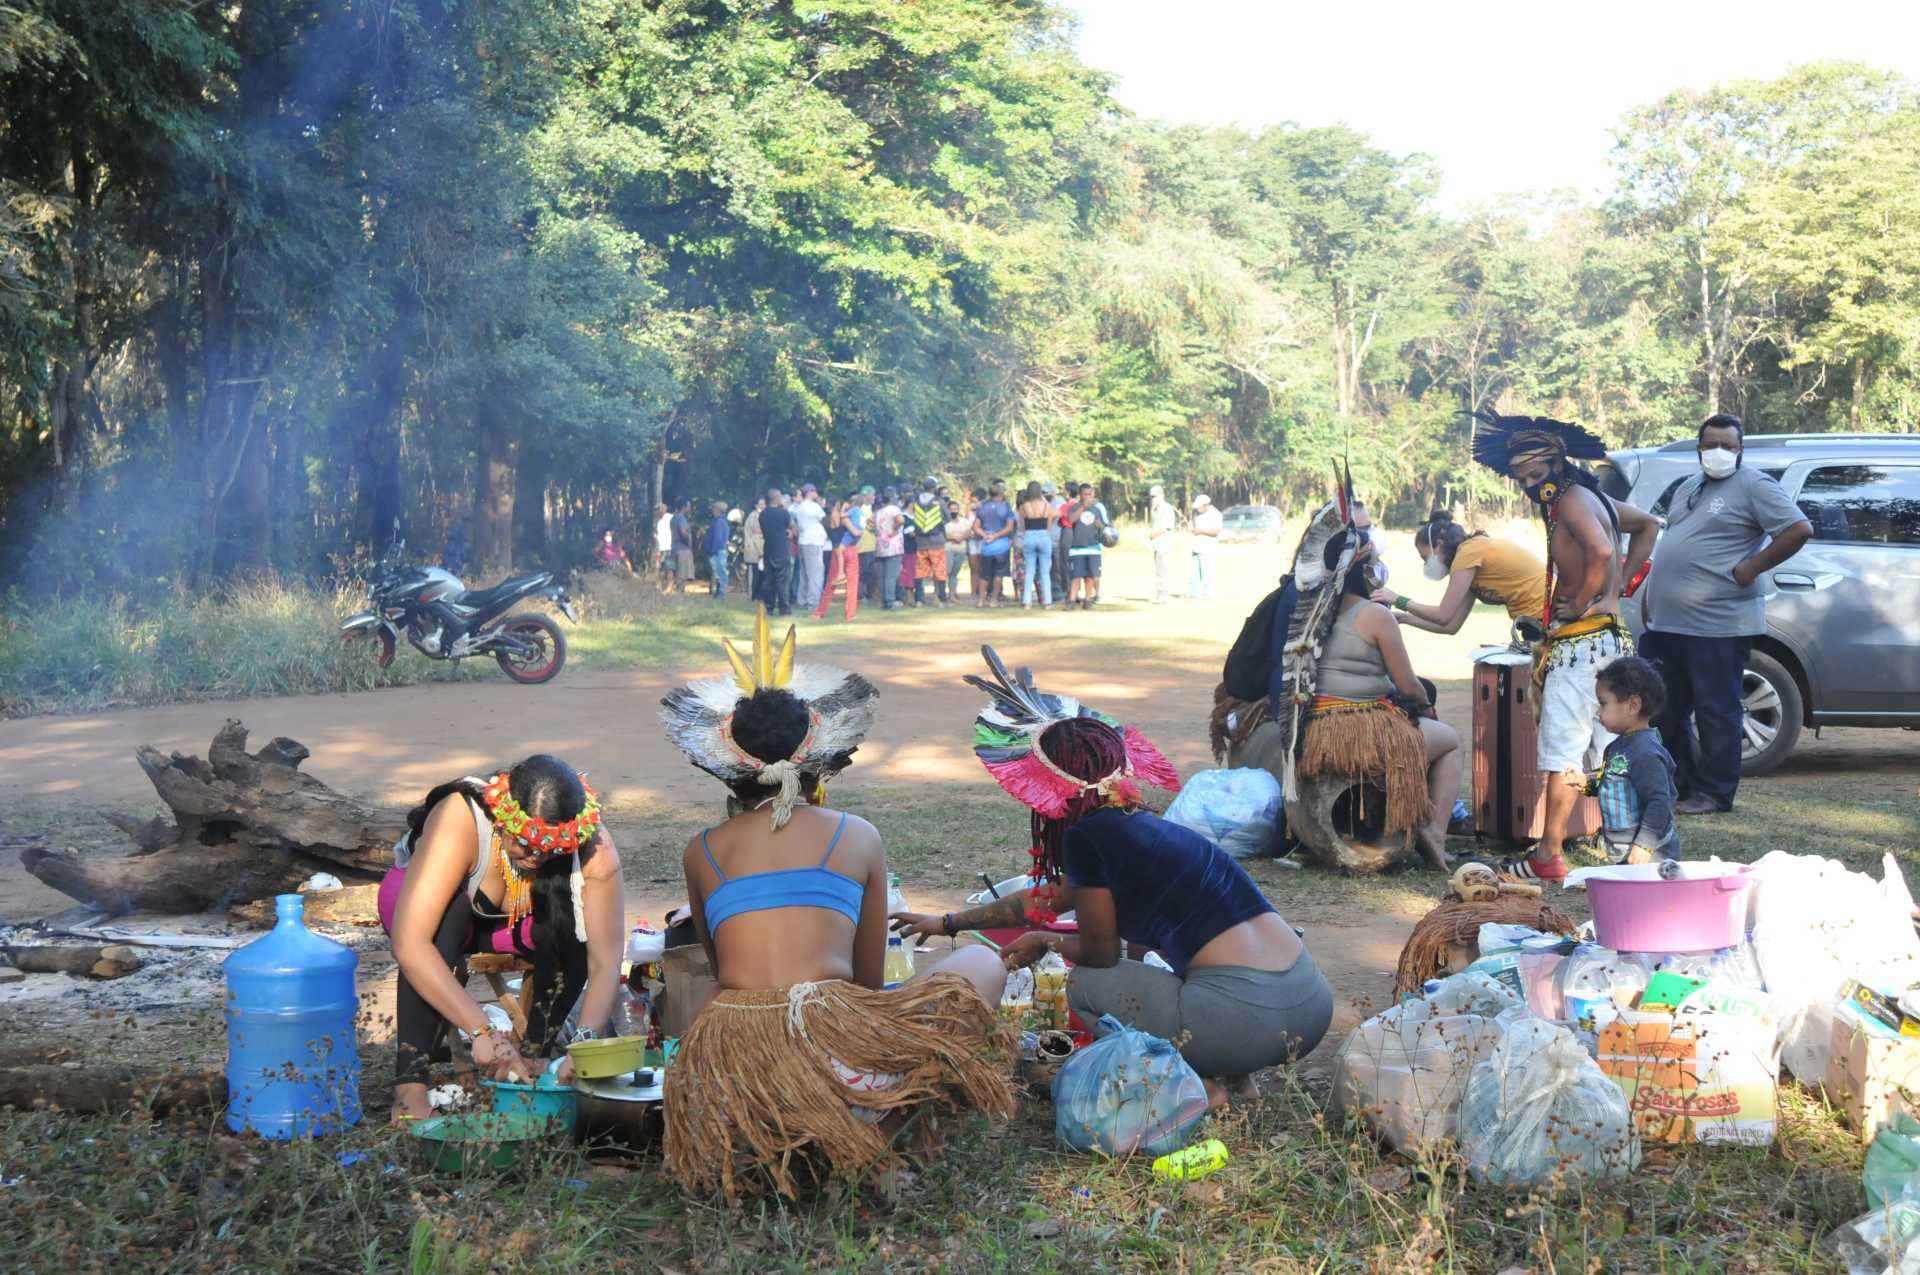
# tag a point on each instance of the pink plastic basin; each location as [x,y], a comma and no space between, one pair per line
[1670,916]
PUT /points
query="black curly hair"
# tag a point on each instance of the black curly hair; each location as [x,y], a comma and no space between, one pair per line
[1629,676]
[770,725]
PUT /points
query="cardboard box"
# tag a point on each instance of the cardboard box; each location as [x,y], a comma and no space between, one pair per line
[1873,1072]
[690,985]
[1695,1077]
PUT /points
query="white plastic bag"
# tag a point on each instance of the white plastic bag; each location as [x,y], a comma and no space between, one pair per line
[1538,1109]
[1237,810]
[1882,1241]
[1404,1071]
[1126,1092]
[1815,924]
[1593,979]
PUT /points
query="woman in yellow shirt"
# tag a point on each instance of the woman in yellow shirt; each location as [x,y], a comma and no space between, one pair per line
[1477,568]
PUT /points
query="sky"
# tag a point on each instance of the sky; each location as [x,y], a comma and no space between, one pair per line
[1506,96]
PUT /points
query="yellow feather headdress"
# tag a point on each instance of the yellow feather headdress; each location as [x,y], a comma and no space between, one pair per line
[698,717]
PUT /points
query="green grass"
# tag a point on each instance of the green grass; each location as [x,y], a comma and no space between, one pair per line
[1302,1193]
[265,637]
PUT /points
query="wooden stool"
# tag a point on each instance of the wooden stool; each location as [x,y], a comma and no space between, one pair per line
[1358,846]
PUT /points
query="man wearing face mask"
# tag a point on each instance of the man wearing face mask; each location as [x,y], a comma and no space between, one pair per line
[1705,603]
[1583,630]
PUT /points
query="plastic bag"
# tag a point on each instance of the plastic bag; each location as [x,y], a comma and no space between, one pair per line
[1237,810]
[1539,1109]
[1893,1161]
[1404,1071]
[1594,981]
[1126,1092]
[1730,967]
[1885,1240]
[1814,925]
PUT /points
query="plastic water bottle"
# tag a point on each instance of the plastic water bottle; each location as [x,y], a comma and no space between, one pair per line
[898,967]
[896,901]
[293,1067]
[1192,1163]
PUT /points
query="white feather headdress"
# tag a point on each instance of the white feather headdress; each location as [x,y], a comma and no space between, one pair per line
[698,717]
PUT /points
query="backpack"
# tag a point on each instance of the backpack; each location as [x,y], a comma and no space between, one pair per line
[1248,671]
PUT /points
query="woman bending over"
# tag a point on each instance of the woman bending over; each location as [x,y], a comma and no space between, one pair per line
[519,864]
[1244,993]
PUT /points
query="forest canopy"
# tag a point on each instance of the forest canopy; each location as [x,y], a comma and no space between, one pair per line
[278,277]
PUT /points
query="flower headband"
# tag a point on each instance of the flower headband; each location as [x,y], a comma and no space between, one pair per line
[539,835]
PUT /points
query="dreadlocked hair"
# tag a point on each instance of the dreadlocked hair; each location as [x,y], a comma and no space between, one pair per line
[1089,749]
[546,788]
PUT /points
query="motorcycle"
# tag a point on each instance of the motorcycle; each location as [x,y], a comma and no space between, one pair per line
[444,620]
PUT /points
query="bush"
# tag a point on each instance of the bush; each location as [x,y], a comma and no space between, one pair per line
[259,637]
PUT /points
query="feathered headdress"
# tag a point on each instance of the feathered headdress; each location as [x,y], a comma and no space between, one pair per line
[1320,567]
[699,716]
[1498,440]
[1006,739]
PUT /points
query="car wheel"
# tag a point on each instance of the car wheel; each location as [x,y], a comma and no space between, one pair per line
[1774,714]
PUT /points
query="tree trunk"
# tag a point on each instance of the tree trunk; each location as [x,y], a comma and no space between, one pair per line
[493,505]
[1858,407]
[1709,340]
[530,507]
[246,826]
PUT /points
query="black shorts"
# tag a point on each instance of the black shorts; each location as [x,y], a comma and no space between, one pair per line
[1085,566]
[993,566]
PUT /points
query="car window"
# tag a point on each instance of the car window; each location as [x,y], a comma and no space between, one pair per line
[1665,502]
[1863,504]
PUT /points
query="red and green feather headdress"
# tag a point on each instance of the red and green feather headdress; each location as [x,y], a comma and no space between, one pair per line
[1006,739]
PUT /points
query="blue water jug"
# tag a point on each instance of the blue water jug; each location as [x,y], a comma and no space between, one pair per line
[292,1065]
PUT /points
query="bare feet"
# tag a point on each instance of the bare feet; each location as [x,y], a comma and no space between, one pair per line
[410,1103]
[1224,1090]
[1433,848]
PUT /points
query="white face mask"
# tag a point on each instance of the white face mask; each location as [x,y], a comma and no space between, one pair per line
[1719,462]
[1435,569]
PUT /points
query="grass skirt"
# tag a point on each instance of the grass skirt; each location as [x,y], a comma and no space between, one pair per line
[1373,739]
[753,1096]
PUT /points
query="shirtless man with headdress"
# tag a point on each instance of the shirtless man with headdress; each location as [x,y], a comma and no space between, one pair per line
[1583,631]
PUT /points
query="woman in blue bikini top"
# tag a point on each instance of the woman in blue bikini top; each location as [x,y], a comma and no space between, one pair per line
[790,899]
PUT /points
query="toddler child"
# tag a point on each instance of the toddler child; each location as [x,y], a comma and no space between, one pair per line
[1635,783]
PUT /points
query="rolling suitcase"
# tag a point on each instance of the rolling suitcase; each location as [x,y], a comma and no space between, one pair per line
[1509,799]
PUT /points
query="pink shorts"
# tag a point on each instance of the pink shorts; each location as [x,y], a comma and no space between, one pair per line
[499,939]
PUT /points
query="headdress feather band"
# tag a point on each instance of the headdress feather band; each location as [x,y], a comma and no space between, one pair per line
[698,717]
[1006,739]
[1498,440]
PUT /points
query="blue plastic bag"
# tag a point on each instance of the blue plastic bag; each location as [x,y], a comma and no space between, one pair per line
[1126,1092]
[1237,810]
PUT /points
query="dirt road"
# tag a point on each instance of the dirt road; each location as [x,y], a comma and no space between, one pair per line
[1153,666]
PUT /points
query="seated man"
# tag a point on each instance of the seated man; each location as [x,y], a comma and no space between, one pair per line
[1244,994]
[803,1048]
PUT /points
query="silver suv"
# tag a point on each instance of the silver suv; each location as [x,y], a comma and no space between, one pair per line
[1842,646]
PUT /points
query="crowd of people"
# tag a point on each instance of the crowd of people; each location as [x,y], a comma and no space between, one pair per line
[925,544]
[1314,683]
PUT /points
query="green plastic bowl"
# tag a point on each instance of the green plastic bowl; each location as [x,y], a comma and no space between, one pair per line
[488,1140]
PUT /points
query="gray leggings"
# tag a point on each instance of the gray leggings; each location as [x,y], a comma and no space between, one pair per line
[1227,1019]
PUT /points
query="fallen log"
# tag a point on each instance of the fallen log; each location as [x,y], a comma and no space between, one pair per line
[349,905]
[245,826]
[88,960]
[33,1078]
